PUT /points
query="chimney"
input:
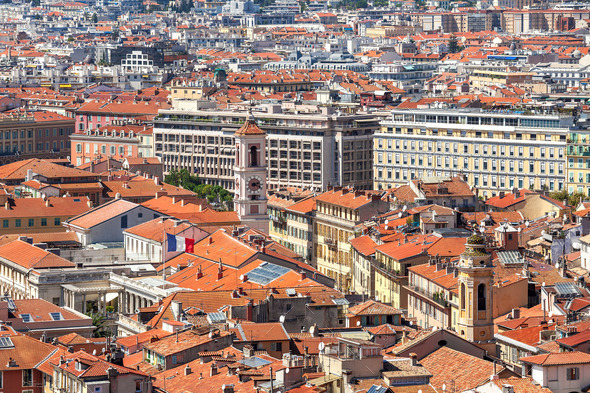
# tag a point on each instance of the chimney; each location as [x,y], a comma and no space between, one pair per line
[210,240]
[199,273]
[414,358]
[240,290]
[303,275]
[156,180]
[7,205]
[515,313]
[220,272]
[47,204]
[244,277]
[507,388]
[187,370]
[229,388]
[213,369]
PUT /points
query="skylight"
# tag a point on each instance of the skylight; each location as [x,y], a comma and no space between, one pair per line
[26,318]
[56,316]
[6,342]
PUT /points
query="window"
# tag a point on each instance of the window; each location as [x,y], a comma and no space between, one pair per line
[124,222]
[28,377]
[26,318]
[138,386]
[276,346]
[43,222]
[573,374]
[481,297]
[31,222]
[56,221]
[56,316]
[17,223]
[5,223]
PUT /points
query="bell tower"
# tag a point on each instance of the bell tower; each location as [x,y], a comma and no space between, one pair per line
[250,175]
[475,320]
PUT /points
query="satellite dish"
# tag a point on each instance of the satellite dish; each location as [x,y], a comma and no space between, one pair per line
[400,214]
[543,284]
[94,352]
[557,265]
[386,222]
[321,346]
[444,386]
[282,319]
[550,314]
[358,323]
[404,208]
[287,370]
[519,230]
[527,223]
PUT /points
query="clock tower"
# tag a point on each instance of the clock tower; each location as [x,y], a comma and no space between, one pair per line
[250,175]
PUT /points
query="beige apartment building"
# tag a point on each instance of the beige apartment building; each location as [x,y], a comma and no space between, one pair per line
[338,212]
[495,151]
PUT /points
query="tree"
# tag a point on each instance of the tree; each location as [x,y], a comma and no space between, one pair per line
[572,199]
[183,178]
[94,18]
[454,46]
[98,320]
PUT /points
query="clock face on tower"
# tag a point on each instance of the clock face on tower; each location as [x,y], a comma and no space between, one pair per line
[254,183]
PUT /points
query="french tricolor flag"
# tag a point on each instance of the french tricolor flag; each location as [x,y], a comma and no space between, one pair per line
[179,243]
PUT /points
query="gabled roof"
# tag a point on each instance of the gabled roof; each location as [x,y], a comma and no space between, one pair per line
[18,170]
[273,331]
[102,213]
[27,352]
[31,257]
[372,307]
[466,371]
[93,366]
[558,359]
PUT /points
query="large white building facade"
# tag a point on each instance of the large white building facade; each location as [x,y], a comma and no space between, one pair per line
[495,151]
[312,148]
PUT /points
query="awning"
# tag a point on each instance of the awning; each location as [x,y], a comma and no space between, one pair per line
[111,296]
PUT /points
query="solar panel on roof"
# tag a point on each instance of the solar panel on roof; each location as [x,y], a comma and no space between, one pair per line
[6,342]
[291,292]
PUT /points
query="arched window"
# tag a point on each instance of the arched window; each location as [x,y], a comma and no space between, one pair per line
[253,156]
[462,296]
[481,297]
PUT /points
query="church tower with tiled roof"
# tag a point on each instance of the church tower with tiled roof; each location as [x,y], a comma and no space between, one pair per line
[475,321]
[250,175]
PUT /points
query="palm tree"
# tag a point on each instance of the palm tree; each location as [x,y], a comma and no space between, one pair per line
[98,320]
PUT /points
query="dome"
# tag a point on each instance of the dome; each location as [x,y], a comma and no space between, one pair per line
[577,54]
[475,239]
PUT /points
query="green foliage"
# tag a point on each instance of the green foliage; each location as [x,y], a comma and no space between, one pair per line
[183,178]
[184,7]
[94,18]
[454,46]
[381,3]
[98,320]
[352,4]
[572,199]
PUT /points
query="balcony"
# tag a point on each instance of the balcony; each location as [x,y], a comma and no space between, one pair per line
[437,297]
[331,243]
